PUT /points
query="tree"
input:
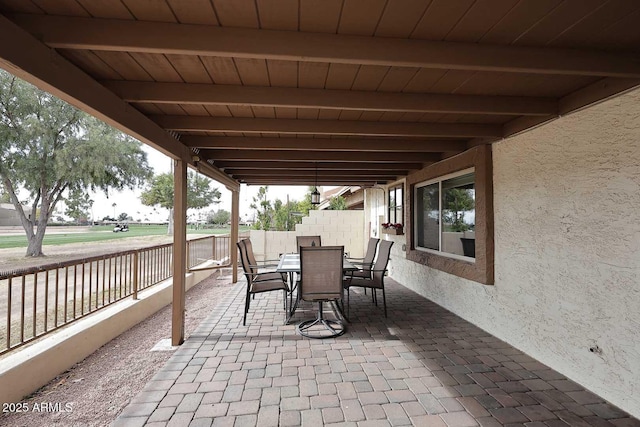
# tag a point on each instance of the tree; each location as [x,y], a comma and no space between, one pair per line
[263,208]
[159,192]
[123,217]
[78,205]
[456,202]
[220,217]
[48,147]
[338,203]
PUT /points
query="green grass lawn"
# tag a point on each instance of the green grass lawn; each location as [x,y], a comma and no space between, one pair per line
[100,233]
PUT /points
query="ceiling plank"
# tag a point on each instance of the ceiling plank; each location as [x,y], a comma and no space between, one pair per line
[316,144]
[326,127]
[157,37]
[318,156]
[184,93]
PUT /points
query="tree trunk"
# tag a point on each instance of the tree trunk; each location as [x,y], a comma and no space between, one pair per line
[170,226]
[34,249]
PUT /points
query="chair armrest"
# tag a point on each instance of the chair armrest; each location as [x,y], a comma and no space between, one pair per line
[263,265]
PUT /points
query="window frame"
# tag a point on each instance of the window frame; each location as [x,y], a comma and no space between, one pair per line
[439,181]
[395,188]
[482,269]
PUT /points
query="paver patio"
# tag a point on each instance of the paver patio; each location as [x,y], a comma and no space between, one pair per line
[420,366]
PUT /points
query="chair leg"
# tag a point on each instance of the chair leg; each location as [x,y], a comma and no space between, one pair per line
[384,300]
[246,307]
[348,302]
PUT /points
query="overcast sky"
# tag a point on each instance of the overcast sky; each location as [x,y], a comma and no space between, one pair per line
[129,201]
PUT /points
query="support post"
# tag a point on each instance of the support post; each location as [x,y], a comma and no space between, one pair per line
[179,250]
[235,217]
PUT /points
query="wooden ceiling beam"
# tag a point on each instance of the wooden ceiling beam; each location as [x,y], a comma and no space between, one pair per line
[206,94]
[171,38]
[333,177]
[322,144]
[312,172]
[312,165]
[309,182]
[320,156]
[326,127]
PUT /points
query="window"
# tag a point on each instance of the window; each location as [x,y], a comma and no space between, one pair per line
[395,215]
[445,215]
[450,215]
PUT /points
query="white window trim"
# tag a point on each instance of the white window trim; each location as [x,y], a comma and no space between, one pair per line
[438,180]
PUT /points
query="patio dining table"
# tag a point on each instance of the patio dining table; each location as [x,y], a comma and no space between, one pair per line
[290,264]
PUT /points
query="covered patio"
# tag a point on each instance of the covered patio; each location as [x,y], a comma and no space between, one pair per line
[422,366]
[535,104]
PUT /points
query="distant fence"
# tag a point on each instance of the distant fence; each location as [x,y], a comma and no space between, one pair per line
[39,300]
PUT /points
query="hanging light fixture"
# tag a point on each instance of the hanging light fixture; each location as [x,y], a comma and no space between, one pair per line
[315,195]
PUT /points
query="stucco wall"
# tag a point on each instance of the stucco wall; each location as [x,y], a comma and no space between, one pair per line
[567,250]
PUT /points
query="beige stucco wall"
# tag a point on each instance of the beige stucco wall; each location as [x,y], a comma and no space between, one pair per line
[567,250]
[336,228]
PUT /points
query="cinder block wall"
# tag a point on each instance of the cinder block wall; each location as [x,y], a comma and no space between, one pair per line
[336,228]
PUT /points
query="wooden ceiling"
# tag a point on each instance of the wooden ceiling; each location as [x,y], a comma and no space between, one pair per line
[328,91]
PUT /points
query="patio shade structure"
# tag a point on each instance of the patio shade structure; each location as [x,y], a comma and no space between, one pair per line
[328,93]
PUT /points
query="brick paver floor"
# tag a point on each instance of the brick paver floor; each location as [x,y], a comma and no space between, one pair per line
[421,366]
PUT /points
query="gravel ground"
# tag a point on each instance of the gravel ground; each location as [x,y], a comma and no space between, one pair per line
[97,389]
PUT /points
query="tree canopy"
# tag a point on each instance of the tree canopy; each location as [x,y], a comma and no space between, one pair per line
[49,148]
[200,194]
[279,215]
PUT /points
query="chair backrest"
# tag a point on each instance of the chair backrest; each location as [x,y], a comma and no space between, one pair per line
[307,241]
[384,250]
[321,272]
[251,258]
[244,261]
[370,255]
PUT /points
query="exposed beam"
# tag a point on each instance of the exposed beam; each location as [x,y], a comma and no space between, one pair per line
[312,172]
[596,92]
[326,127]
[320,156]
[171,38]
[34,62]
[322,144]
[206,94]
[306,181]
[334,177]
[338,165]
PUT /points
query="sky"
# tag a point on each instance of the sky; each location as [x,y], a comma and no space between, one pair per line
[128,201]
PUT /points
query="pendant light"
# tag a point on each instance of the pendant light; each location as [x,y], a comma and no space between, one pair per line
[315,195]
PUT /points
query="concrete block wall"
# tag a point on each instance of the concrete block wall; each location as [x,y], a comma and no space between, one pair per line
[336,228]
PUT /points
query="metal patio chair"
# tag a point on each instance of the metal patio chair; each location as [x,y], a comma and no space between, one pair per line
[307,241]
[321,281]
[257,281]
[376,280]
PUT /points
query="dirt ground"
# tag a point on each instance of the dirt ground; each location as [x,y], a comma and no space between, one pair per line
[96,390]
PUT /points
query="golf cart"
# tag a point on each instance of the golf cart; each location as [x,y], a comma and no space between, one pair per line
[121,227]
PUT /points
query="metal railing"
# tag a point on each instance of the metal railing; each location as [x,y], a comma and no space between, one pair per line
[39,300]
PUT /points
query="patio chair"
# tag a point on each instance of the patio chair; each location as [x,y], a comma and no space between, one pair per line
[258,282]
[376,281]
[321,281]
[269,264]
[364,264]
[307,241]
